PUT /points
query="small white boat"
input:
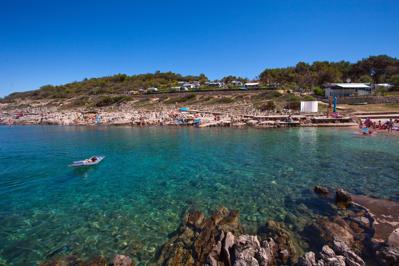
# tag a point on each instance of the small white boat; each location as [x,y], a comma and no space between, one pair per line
[88,162]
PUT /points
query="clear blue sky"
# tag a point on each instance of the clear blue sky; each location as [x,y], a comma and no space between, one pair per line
[59,41]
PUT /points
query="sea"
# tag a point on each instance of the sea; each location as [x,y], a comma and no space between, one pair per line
[134,200]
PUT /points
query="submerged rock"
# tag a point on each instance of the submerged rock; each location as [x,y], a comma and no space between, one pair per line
[287,245]
[325,231]
[321,190]
[122,260]
[75,261]
[67,260]
[342,198]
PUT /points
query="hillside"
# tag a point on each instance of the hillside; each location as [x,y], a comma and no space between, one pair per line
[121,88]
[374,69]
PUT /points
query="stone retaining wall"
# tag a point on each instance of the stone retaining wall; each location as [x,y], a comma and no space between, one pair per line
[368,99]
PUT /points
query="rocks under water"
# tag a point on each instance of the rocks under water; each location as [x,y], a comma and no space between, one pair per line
[351,236]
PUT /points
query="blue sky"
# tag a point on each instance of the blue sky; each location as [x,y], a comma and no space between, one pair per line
[54,42]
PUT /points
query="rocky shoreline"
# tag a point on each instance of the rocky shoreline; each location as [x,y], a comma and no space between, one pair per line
[169,117]
[358,230]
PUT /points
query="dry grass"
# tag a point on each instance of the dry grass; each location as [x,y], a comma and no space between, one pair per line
[370,107]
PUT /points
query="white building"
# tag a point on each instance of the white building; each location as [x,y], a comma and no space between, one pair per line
[236,83]
[215,84]
[383,86]
[347,89]
[251,85]
[309,106]
[152,89]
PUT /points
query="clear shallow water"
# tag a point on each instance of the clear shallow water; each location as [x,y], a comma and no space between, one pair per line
[131,201]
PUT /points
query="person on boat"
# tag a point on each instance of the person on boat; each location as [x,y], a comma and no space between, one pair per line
[93,159]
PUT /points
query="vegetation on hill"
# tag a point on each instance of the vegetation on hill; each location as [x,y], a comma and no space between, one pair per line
[302,77]
[377,69]
[117,84]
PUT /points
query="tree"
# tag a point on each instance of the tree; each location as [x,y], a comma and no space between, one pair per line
[229,79]
[394,80]
[202,78]
[366,79]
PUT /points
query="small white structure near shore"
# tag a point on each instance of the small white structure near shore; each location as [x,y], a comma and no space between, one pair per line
[309,106]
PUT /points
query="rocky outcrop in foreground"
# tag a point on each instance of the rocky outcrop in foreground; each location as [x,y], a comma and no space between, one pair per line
[358,231]
[345,238]
[219,240]
[369,226]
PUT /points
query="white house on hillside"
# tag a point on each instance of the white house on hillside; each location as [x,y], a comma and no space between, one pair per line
[152,89]
[347,89]
[383,86]
[251,85]
[236,83]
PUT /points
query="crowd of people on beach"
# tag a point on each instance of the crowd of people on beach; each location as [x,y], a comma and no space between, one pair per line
[369,126]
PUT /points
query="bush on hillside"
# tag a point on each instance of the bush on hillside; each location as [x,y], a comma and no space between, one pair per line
[268,106]
[318,91]
[108,100]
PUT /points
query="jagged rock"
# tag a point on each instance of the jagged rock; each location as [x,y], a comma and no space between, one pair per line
[327,252]
[284,256]
[284,240]
[387,255]
[393,239]
[248,251]
[351,258]
[229,241]
[339,255]
[200,240]
[215,253]
[342,198]
[325,231]
[245,249]
[328,257]
[267,252]
[195,219]
[309,259]
[122,260]
[231,223]
[321,190]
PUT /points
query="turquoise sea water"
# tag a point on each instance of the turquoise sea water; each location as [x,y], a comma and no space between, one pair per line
[135,198]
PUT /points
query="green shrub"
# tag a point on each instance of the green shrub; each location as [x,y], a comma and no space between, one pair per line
[268,106]
[318,91]
[293,105]
[308,98]
[185,98]
[81,101]
[224,100]
[108,100]
[268,95]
